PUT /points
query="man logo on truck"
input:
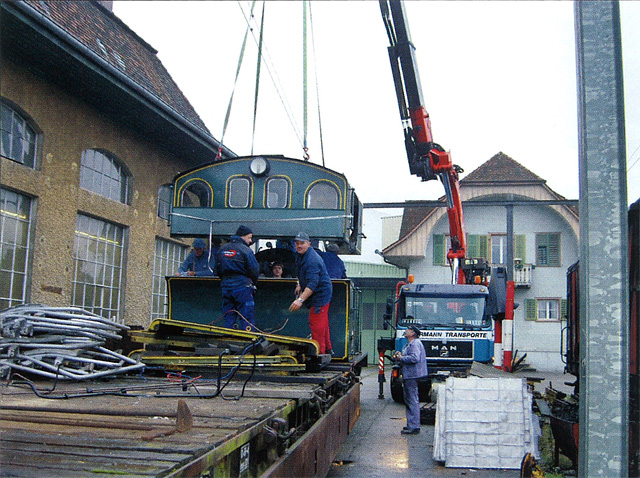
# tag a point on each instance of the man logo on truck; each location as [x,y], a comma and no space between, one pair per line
[444,350]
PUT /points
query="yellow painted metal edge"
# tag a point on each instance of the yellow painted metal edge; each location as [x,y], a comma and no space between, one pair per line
[223,331]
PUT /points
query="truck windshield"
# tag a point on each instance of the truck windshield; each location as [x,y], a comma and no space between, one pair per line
[445,311]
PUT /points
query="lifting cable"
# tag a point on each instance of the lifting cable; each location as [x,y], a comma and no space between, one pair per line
[235,82]
[315,63]
[277,84]
[274,77]
[255,99]
[305,148]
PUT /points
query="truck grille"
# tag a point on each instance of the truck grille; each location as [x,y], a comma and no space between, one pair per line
[448,349]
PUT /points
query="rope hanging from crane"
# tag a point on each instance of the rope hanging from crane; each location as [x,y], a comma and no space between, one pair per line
[305,147]
[235,82]
[263,57]
[313,47]
[259,63]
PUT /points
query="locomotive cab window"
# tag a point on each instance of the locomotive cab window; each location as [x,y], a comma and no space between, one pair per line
[196,194]
[277,193]
[323,195]
[239,192]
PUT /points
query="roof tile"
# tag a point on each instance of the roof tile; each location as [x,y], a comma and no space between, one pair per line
[106,35]
[501,168]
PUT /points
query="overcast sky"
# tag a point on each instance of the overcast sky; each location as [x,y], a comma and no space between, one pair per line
[496,76]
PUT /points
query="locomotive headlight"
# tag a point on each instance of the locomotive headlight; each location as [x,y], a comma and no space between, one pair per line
[259,166]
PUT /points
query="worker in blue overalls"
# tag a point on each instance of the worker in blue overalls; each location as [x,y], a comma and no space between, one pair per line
[238,268]
[199,262]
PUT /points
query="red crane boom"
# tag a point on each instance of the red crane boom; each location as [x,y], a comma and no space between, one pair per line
[427,159]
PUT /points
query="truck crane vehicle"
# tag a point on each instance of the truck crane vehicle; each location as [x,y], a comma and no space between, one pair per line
[456,320]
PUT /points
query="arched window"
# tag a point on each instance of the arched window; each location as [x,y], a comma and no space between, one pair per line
[103,173]
[323,195]
[196,194]
[277,193]
[239,192]
[18,138]
[164,201]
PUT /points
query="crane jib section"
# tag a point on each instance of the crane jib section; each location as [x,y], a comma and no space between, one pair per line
[427,159]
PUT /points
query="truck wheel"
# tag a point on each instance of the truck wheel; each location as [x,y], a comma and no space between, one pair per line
[396,391]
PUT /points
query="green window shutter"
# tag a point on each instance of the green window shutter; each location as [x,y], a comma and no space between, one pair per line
[531,309]
[542,256]
[554,250]
[548,249]
[439,255]
[483,247]
[473,246]
[563,309]
[520,247]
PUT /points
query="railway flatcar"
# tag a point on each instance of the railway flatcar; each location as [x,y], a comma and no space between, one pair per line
[273,195]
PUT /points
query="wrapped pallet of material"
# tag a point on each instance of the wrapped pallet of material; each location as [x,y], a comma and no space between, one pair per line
[485,423]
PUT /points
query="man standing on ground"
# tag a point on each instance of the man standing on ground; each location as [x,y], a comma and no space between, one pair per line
[198,263]
[414,366]
[314,290]
[239,270]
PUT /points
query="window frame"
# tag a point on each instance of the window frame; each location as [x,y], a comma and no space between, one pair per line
[95,238]
[544,240]
[206,188]
[503,248]
[27,122]
[546,303]
[29,219]
[89,175]
[323,182]
[532,309]
[288,192]
[165,263]
[249,199]
[164,203]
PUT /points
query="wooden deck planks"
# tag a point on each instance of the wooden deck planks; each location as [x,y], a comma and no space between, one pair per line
[106,434]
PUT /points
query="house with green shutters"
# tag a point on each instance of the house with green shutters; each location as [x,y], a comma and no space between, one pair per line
[545,243]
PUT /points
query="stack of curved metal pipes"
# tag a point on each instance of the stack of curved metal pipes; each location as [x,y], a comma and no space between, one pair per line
[61,343]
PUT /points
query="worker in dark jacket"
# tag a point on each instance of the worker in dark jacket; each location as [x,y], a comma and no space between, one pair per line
[414,366]
[239,270]
[335,266]
[199,262]
[313,290]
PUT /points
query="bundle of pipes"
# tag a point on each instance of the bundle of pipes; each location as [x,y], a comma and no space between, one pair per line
[61,343]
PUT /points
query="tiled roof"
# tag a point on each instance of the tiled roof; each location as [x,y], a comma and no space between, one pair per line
[107,36]
[413,215]
[501,168]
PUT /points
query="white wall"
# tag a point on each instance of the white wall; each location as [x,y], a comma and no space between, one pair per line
[539,340]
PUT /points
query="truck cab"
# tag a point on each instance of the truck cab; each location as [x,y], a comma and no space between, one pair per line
[455,329]
[456,323]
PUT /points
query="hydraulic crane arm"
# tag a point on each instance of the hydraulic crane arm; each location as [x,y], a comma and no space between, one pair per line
[427,159]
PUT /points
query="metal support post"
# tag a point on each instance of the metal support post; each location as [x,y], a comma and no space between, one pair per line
[604,333]
[510,238]
[508,327]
